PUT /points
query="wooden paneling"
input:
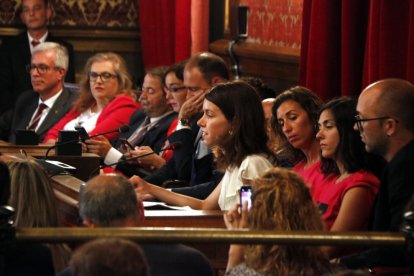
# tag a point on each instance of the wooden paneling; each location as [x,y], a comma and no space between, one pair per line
[276,66]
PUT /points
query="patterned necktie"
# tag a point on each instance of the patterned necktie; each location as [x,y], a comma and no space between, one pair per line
[137,136]
[37,116]
[35,43]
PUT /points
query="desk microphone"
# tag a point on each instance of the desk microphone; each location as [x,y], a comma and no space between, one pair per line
[173,146]
[121,129]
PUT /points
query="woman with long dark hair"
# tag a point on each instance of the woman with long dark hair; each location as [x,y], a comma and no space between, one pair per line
[233,125]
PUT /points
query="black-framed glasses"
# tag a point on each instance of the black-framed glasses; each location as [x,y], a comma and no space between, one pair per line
[359,121]
[41,68]
[105,76]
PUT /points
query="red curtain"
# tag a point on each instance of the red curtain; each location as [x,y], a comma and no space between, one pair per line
[165,31]
[348,44]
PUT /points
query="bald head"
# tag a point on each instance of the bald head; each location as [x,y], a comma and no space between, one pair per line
[390,97]
[109,200]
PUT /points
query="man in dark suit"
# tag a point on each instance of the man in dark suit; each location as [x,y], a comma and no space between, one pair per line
[385,122]
[148,126]
[15,52]
[39,109]
[110,201]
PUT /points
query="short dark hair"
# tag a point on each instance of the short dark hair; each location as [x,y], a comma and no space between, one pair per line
[177,69]
[309,101]
[108,198]
[210,66]
[241,105]
[125,258]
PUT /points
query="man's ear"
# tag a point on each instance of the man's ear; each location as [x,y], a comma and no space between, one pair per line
[49,13]
[88,223]
[215,80]
[391,126]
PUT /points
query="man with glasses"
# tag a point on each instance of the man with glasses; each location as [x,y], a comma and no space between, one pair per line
[39,109]
[385,121]
[15,52]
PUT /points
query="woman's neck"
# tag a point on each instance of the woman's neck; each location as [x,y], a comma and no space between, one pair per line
[312,153]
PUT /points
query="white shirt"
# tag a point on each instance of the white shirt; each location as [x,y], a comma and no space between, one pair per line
[86,119]
[49,103]
[41,40]
[251,167]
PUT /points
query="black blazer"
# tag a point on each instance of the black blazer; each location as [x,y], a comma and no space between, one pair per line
[26,105]
[154,138]
[182,165]
[14,56]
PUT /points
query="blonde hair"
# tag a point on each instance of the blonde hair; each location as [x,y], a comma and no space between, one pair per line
[282,202]
[85,97]
[33,199]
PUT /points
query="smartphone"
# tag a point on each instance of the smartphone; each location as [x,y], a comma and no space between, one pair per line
[246,195]
[83,135]
[126,143]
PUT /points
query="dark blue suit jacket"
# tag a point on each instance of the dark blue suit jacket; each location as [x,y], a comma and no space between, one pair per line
[154,138]
[26,104]
[14,56]
[182,165]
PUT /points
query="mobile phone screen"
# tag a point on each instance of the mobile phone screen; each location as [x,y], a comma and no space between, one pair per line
[246,196]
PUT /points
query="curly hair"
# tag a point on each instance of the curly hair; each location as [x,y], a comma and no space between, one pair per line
[85,97]
[309,101]
[248,124]
[282,202]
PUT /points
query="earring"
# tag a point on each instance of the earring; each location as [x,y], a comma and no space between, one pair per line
[231,132]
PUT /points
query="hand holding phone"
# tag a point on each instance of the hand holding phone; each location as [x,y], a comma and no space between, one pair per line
[246,196]
[126,144]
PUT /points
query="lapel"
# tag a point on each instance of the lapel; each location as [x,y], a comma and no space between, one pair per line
[57,111]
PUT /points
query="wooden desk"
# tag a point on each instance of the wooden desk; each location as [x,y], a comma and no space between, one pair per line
[193,218]
[85,164]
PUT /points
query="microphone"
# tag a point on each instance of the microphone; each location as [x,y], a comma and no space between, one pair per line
[121,129]
[173,146]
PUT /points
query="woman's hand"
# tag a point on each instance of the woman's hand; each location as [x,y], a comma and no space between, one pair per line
[233,220]
[98,145]
[149,162]
[142,188]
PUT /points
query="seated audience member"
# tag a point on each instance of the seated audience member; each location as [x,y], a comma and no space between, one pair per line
[126,258]
[280,202]
[176,94]
[110,201]
[39,109]
[345,204]
[386,125]
[105,101]
[193,161]
[295,117]
[16,50]
[242,153]
[34,202]
[148,126]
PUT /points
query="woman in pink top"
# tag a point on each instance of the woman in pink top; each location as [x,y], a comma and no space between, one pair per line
[295,115]
[106,99]
[346,203]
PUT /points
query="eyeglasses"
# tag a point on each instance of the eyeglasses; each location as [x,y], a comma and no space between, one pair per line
[175,89]
[359,121]
[105,76]
[41,68]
